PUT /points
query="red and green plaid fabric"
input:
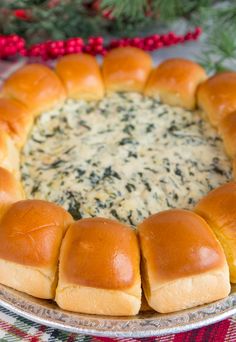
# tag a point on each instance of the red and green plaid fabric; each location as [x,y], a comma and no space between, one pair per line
[15,328]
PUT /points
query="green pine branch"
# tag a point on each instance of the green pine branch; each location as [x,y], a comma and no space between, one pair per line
[134,10]
[219,45]
[75,17]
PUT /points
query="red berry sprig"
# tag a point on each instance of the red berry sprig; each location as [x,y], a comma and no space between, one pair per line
[95,46]
[21,14]
[155,42]
[55,49]
[13,45]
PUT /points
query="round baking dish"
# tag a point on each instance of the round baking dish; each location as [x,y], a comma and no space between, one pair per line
[176,82]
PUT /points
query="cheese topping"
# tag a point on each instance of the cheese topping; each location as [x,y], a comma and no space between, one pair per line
[125,157]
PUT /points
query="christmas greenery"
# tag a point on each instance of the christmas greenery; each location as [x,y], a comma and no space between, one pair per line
[39,20]
[219,22]
[60,19]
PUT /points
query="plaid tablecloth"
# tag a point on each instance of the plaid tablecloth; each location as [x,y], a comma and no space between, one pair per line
[16,328]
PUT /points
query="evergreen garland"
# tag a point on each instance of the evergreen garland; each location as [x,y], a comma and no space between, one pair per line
[219,50]
[61,19]
[40,20]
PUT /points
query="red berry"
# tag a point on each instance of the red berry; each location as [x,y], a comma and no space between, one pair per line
[88,49]
[14,38]
[70,49]
[44,56]
[99,48]
[149,41]
[40,47]
[53,45]
[2,41]
[108,14]
[99,40]
[21,14]
[33,52]
[198,30]
[13,49]
[159,45]
[23,52]
[188,36]
[77,49]
[91,40]
[104,52]
[71,42]
[164,37]
[175,40]
[171,35]
[9,50]
[156,37]
[136,40]
[148,44]
[122,42]
[54,52]
[79,41]
[114,43]
[20,44]
[139,45]
[60,43]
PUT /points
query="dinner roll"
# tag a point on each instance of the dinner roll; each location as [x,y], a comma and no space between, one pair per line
[227,130]
[9,154]
[175,82]
[31,232]
[234,168]
[217,96]
[15,119]
[99,269]
[126,69]
[183,265]
[35,85]
[10,190]
[218,208]
[81,76]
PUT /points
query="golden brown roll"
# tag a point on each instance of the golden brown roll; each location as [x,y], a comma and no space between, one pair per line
[234,168]
[31,232]
[183,265]
[81,76]
[99,269]
[218,208]
[10,190]
[9,154]
[175,82]
[15,119]
[227,130]
[35,85]
[217,96]
[126,69]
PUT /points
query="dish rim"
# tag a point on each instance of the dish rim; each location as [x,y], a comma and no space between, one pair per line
[144,325]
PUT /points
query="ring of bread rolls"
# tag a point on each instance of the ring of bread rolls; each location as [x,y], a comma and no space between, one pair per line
[93,265]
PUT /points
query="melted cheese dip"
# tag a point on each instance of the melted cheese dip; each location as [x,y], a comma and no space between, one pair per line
[125,157]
